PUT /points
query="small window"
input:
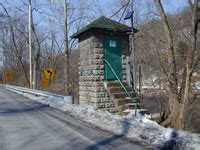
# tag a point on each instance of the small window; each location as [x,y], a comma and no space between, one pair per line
[112,43]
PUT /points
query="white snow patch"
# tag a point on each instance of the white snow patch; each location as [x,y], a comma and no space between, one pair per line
[139,128]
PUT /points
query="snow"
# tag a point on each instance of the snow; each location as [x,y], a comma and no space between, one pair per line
[196,85]
[139,128]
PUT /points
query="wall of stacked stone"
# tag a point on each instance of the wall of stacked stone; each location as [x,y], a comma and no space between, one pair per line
[91,73]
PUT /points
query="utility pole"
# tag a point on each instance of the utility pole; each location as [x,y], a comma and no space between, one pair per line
[132,51]
[133,66]
[30,45]
[66,49]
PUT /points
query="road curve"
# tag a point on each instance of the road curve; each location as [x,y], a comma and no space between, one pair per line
[29,125]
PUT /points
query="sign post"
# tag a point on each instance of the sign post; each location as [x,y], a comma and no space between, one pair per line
[45,82]
[9,76]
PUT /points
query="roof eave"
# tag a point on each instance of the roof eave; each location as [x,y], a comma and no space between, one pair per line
[77,34]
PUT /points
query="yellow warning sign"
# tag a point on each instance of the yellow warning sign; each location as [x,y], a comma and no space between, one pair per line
[49,73]
[9,76]
[45,82]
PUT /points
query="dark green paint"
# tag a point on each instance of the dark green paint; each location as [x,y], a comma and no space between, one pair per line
[113,56]
[107,24]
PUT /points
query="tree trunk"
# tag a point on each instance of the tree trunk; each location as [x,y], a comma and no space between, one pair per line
[174,108]
[66,61]
[177,103]
[189,67]
[174,99]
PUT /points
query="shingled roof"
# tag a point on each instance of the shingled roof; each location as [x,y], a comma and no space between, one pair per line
[105,24]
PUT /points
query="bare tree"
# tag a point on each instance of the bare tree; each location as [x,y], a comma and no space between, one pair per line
[178,102]
[13,38]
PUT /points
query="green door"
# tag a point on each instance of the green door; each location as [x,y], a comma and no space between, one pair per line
[112,53]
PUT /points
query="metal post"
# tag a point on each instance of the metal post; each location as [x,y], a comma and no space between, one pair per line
[30,46]
[132,50]
[140,81]
[133,55]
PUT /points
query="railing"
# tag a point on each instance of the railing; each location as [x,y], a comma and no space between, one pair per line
[122,85]
[38,93]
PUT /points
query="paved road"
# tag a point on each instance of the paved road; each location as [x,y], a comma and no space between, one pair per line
[29,125]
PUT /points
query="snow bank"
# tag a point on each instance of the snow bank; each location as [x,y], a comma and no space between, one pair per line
[138,128]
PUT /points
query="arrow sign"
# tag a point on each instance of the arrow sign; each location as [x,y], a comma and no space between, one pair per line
[49,73]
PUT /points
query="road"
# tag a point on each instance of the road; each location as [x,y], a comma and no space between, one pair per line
[29,125]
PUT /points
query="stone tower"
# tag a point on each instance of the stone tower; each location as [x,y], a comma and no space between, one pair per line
[103,44]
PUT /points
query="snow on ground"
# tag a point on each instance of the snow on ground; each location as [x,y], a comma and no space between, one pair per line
[138,128]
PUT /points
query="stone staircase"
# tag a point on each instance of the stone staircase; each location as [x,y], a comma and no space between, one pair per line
[122,101]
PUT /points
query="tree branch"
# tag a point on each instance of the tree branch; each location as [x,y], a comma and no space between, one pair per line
[124,6]
[170,46]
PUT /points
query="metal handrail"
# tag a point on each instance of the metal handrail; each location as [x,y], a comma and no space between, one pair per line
[113,71]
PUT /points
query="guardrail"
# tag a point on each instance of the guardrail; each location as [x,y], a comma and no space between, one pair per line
[37,93]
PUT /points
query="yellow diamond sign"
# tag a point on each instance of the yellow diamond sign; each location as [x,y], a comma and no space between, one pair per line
[49,73]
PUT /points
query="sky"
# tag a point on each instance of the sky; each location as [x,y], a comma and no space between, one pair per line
[96,8]
[174,5]
[93,9]
[107,6]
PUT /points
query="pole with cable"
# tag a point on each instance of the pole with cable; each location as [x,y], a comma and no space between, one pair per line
[132,52]
[30,45]
[133,66]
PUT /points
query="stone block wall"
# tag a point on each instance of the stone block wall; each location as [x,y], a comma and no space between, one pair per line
[91,73]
